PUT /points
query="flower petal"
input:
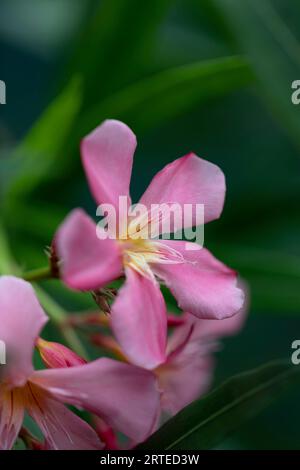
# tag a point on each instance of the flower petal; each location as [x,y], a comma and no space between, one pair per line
[62,429]
[139,320]
[202,285]
[11,417]
[107,155]
[183,381]
[189,180]
[190,360]
[20,314]
[88,263]
[125,396]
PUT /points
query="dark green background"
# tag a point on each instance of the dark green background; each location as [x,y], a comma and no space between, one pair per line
[165,68]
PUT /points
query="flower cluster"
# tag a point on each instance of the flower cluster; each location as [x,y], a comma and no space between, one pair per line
[156,362]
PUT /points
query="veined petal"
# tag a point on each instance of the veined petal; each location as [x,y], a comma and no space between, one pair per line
[139,320]
[11,417]
[20,314]
[62,429]
[202,285]
[125,396]
[107,155]
[189,180]
[87,262]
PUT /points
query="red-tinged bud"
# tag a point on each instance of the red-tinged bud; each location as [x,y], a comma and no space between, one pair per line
[55,355]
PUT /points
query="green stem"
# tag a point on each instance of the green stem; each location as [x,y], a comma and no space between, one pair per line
[38,274]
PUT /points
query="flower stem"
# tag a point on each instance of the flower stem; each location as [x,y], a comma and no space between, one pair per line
[38,274]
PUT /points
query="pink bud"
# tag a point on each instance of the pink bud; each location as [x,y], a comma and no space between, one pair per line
[55,355]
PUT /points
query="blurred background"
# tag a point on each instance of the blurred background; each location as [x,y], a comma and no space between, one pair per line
[209,76]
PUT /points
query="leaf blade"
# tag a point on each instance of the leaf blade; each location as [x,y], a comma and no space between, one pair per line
[205,423]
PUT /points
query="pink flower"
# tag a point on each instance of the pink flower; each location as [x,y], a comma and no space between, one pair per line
[201,284]
[188,370]
[125,396]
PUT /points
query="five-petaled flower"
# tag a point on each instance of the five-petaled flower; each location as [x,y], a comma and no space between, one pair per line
[125,396]
[202,285]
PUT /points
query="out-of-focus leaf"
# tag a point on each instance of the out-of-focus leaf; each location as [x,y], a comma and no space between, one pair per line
[273,277]
[272,50]
[19,445]
[36,156]
[115,45]
[207,422]
[7,263]
[170,93]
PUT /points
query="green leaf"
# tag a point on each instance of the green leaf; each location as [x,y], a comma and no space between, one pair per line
[273,276]
[7,262]
[273,52]
[165,95]
[19,445]
[116,43]
[36,156]
[206,423]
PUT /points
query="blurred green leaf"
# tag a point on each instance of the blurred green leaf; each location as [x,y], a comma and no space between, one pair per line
[7,262]
[207,422]
[165,95]
[273,52]
[37,155]
[19,445]
[116,42]
[273,277]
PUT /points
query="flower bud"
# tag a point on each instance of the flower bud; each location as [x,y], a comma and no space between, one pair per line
[55,355]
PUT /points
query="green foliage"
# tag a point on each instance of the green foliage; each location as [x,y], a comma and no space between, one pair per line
[162,97]
[206,423]
[273,51]
[128,61]
[36,157]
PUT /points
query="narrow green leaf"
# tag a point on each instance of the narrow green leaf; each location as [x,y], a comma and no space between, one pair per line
[273,276]
[7,262]
[273,52]
[167,94]
[206,423]
[115,46]
[36,156]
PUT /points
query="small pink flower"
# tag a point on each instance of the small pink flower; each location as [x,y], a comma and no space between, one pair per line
[188,370]
[201,284]
[125,396]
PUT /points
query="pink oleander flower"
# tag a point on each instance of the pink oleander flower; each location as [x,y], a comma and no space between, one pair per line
[125,396]
[201,284]
[188,370]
